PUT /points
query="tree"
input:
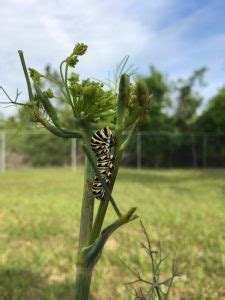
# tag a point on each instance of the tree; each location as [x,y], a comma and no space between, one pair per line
[159,87]
[212,119]
[188,100]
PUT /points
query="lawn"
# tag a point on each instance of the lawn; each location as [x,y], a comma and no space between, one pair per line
[39,226]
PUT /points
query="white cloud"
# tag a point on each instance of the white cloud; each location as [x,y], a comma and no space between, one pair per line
[47,33]
[158,32]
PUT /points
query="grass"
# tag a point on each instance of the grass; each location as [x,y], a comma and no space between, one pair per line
[39,225]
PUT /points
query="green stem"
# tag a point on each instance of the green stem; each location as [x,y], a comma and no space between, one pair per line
[84,273]
[67,89]
[26,74]
[100,216]
[54,129]
[64,80]
[87,210]
[61,70]
[51,111]
[83,282]
[129,137]
[158,293]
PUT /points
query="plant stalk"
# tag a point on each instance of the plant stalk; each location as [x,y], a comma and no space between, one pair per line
[83,282]
[29,88]
[100,216]
[84,273]
[87,210]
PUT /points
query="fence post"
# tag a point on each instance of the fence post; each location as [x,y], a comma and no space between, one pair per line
[139,165]
[74,154]
[3,156]
[193,150]
[204,161]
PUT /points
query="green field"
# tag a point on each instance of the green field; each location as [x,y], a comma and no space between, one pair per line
[39,225]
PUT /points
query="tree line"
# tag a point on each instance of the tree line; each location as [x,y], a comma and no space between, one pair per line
[184,131]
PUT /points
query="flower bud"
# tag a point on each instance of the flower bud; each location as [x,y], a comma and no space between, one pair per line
[49,93]
[142,93]
[72,61]
[123,98]
[35,75]
[79,49]
[89,91]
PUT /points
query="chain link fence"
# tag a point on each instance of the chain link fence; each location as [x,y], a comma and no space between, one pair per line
[167,150]
[25,149]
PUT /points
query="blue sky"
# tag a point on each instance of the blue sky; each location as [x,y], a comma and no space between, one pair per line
[176,36]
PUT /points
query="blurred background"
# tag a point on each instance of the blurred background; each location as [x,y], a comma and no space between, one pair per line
[173,170]
[178,50]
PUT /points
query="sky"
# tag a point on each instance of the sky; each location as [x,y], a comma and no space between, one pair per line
[176,36]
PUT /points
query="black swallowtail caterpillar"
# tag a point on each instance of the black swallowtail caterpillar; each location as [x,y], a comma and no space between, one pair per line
[101,143]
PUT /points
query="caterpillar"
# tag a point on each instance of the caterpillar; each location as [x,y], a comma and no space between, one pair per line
[101,143]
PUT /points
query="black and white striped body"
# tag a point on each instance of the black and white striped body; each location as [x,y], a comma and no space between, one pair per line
[101,143]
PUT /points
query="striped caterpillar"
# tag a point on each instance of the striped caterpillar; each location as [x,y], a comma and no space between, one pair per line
[101,143]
